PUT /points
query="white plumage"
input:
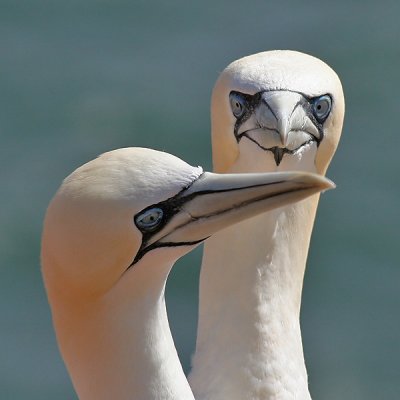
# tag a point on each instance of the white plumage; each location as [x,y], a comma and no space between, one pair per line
[272,111]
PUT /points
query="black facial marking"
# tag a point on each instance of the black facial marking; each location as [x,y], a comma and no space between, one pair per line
[157,245]
[279,152]
[170,207]
[253,101]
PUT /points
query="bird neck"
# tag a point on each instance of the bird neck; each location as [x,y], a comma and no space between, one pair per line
[120,346]
[249,340]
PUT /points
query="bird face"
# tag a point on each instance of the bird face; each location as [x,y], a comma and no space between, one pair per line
[135,209]
[283,107]
[281,122]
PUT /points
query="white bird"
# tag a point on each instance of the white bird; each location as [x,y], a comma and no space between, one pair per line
[272,111]
[111,235]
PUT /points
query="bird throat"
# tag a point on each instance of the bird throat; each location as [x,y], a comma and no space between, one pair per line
[119,346]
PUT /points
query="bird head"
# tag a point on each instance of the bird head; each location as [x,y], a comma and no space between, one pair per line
[139,209]
[285,106]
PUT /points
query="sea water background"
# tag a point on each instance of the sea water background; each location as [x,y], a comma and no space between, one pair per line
[80,77]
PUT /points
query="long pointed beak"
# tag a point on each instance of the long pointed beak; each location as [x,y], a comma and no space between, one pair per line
[281,105]
[216,201]
[282,111]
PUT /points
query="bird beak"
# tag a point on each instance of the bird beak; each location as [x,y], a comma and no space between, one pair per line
[280,122]
[216,201]
[283,112]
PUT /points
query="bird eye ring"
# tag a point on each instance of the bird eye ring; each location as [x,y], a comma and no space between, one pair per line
[149,219]
[238,104]
[321,107]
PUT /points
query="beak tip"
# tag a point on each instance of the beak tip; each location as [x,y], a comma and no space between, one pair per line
[316,182]
[327,185]
[331,184]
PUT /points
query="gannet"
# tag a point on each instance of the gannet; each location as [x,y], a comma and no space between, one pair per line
[272,111]
[111,235]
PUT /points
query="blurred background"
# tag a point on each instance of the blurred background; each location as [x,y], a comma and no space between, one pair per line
[80,77]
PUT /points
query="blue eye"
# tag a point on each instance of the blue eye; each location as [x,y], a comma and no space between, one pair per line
[150,219]
[238,104]
[321,107]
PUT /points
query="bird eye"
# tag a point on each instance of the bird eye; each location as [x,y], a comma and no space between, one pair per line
[150,219]
[321,107]
[238,104]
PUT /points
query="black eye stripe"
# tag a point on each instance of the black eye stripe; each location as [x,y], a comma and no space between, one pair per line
[251,102]
[169,208]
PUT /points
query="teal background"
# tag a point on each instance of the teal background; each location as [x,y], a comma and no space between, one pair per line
[81,77]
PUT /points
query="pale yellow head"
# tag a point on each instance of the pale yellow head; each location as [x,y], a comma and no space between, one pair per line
[284,107]
[90,237]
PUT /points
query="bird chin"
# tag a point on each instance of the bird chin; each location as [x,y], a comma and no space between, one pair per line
[303,141]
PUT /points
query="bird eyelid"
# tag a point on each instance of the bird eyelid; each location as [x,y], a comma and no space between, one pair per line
[238,104]
[148,220]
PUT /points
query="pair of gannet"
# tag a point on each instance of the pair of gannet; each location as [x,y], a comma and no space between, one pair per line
[118,223]
[111,236]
